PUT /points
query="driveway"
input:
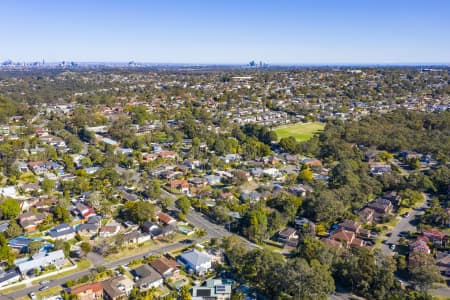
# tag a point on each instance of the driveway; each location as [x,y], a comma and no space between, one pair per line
[61,281]
[404,225]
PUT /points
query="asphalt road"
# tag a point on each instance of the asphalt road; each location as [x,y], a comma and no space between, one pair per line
[404,225]
[195,218]
[61,281]
[201,221]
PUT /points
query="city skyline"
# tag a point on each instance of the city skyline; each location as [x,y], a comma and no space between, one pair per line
[199,32]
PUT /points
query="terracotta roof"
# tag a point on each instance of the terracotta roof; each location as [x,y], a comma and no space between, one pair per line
[94,287]
[343,235]
[179,183]
[35,163]
[331,242]
[162,265]
[165,218]
[433,233]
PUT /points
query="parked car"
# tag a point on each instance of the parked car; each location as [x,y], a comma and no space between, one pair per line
[44,282]
[392,247]
[32,295]
[43,288]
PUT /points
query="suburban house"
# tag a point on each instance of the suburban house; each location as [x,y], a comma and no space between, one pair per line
[198,182]
[147,277]
[30,221]
[166,154]
[38,167]
[88,291]
[392,196]
[8,277]
[312,162]
[443,262]
[332,243]
[191,164]
[366,215]
[381,206]
[355,227]
[151,228]
[181,185]
[110,229]
[166,219]
[216,289]
[251,197]
[135,237]
[90,228]
[117,288]
[128,196]
[213,179]
[46,204]
[435,236]
[62,232]
[288,236]
[157,231]
[20,243]
[300,190]
[166,267]
[198,262]
[348,238]
[84,211]
[41,260]
[351,225]
[420,245]
[377,168]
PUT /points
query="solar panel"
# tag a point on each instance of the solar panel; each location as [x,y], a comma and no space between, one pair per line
[220,288]
[203,292]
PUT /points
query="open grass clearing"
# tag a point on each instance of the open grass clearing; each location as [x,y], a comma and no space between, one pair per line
[301,132]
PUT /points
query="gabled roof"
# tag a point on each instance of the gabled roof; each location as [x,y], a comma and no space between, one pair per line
[8,275]
[94,287]
[165,218]
[195,257]
[163,265]
[286,232]
[146,274]
[433,233]
[343,235]
[351,225]
[60,230]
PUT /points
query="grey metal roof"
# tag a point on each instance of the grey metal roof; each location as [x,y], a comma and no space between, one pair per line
[195,257]
[56,257]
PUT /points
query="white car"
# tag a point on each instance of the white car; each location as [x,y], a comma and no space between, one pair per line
[392,247]
[32,295]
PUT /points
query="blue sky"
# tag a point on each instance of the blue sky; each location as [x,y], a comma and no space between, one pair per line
[227,31]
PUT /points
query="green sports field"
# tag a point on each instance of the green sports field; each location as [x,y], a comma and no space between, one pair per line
[302,132]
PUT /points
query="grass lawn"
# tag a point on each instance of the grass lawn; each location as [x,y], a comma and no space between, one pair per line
[272,248]
[146,247]
[50,292]
[302,132]
[44,294]
[81,265]
[12,289]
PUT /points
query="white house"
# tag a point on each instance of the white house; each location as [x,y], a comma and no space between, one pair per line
[199,262]
[41,260]
[9,277]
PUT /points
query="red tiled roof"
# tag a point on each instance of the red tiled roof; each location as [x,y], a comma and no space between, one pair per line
[94,287]
[433,233]
[165,218]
